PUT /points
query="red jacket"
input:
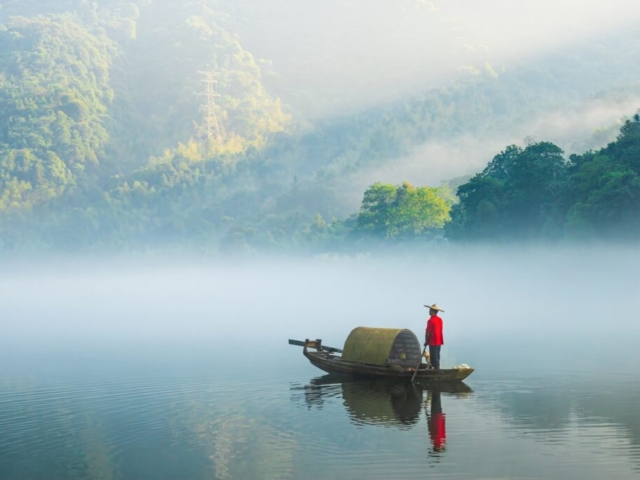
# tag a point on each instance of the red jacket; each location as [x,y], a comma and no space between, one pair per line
[434,330]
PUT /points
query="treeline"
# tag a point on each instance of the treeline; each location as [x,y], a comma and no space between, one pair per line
[525,194]
[530,193]
[535,193]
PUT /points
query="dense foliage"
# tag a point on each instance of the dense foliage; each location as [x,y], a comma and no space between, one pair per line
[54,92]
[517,194]
[534,193]
[604,188]
[402,212]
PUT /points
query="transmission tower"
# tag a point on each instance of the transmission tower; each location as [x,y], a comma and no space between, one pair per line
[209,107]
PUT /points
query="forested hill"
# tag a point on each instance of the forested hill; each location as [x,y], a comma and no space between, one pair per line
[536,193]
[104,142]
[92,89]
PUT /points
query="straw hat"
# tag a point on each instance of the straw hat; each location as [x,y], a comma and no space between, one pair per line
[434,307]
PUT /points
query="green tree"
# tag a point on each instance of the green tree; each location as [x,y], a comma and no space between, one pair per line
[519,195]
[604,189]
[401,212]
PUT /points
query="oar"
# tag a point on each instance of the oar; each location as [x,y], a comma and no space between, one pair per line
[419,363]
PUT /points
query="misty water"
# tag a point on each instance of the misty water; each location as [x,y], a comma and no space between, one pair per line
[181,369]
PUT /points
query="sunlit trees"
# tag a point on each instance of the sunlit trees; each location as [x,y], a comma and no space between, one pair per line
[54,92]
[401,212]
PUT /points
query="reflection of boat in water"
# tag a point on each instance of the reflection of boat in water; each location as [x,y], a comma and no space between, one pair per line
[378,353]
[379,401]
[382,402]
[441,386]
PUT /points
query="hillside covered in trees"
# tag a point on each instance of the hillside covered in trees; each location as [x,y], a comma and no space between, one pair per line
[535,193]
[107,141]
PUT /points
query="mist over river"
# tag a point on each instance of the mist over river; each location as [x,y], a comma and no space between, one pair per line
[180,368]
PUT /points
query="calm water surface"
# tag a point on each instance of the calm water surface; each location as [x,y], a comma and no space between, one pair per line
[206,417]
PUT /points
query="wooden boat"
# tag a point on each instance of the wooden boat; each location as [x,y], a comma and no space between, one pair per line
[327,359]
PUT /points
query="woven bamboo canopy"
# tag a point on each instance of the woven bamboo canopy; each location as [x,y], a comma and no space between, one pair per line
[382,346]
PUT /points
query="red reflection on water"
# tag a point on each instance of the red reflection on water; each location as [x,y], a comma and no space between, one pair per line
[437,422]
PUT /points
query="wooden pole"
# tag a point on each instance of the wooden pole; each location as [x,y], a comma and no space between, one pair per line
[419,363]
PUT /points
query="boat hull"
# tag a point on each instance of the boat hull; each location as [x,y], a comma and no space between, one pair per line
[333,364]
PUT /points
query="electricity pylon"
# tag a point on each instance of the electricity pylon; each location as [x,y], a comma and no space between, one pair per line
[209,107]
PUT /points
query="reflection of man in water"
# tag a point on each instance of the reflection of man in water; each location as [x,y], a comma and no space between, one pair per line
[437,422]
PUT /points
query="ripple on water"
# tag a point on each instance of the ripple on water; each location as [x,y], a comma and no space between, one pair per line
[257,423]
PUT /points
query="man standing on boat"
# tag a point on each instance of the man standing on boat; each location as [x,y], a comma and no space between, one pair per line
[433,336]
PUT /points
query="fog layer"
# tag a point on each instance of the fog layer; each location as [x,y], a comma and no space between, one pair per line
[502,306]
